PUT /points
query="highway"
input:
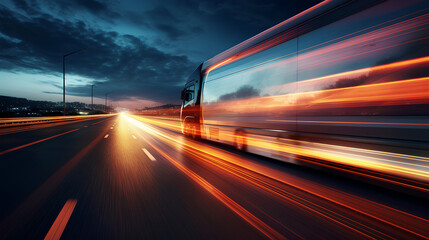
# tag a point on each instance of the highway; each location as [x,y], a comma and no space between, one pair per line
[133,177]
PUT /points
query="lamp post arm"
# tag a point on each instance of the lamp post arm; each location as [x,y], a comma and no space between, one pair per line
[68,54]
[64,76]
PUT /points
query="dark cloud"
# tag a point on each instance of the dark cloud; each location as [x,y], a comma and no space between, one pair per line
[67,8]
[30,7]
[174,24]
[260,12]
[101,9]
[128,66]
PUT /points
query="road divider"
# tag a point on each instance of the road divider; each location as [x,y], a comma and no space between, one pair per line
[23,121]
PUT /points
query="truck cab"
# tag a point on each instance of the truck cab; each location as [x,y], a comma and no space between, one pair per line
[190,111]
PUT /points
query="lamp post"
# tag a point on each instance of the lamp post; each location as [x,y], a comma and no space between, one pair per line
[105,102]
[92,97]
[64,76]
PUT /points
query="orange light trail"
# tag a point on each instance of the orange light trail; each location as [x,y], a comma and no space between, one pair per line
[376,37]
[61,221]
[407,64]
[362,30]
[348,56]
[231,204]
[382,35]
[337,122]
[223,58]
[405,166]
[233,163]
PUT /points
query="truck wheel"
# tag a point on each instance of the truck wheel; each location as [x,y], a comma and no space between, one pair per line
[191,130]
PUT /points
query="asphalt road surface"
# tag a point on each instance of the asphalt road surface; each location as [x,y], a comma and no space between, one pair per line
[133,177]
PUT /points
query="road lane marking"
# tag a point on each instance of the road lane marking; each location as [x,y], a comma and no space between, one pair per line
[61,221]
[107,135]
[134,137]
[148,154]
[38,141]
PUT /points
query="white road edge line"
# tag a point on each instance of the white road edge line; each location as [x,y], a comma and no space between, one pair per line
[134,137]
[148,154]
[107,135]
[60,222]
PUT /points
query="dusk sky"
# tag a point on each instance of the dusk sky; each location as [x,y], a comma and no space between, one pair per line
[140,52]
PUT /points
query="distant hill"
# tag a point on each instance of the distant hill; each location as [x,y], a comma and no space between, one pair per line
[22,107]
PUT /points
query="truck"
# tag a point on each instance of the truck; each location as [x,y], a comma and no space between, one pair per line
[344,83]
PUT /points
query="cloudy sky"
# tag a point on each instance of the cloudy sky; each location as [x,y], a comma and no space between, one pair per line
[139,52]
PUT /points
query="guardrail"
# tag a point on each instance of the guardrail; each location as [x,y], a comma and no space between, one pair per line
[23,121]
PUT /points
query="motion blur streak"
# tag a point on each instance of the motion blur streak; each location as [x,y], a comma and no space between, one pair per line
[406,166]
[378,36]
[376,123]
[251,51]
[409,26]
[61,221]
[363,216]
[404,92]
[38,141]
[387,37]
[239,210]
[254,221]
[376,71]
[397,164]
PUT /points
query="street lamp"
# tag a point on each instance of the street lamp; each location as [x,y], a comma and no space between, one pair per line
[64,76]
[92,96]
[105,102]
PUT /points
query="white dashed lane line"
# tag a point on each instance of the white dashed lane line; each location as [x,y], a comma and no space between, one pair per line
[148,154]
